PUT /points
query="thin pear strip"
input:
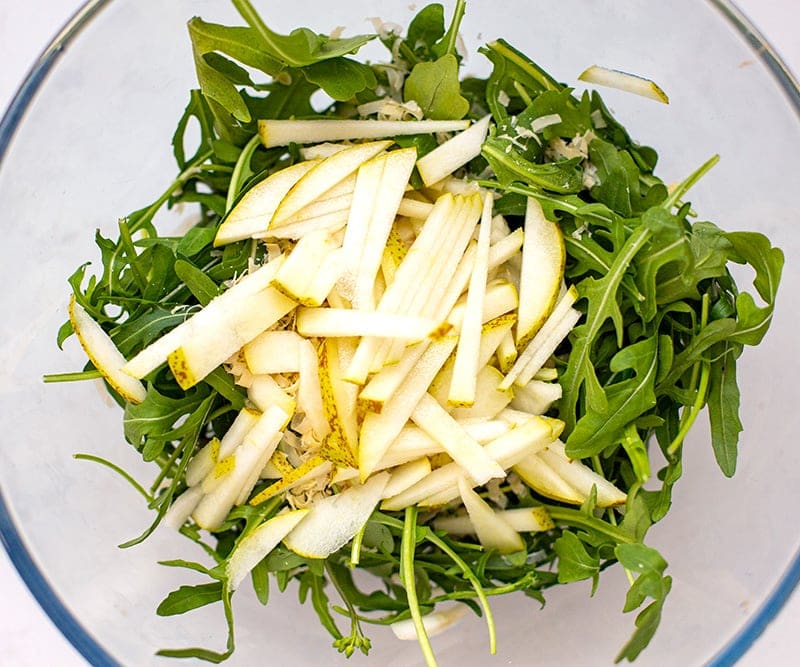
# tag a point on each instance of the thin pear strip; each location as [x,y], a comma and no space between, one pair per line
[252,213]
[379,430]
[339,400]
[334,520]
[406,475]
[464,450]
[312,468]
[536,397]
[284,132]
[414,208]
[234,436]
[104,354]
[273,351]
[260,441]
[385,383]
[397,169]
[500,298]
[339,322]
[329,223]
[430,292]
[413,442]
[435,623]
[506,352]
[325,175]
[208,347]
[182,507]
[490,398]
[202,462]
[494,533]
[218,310]
[536,354]
[325,278]
[309,392]
[539,476]
[543,257]
[453,153]
[580,476]
[418,260]
[521,519]
[441,486]
[631,83]
[465,369]
[258,544]
[294,277]
[332,204]
[264,392]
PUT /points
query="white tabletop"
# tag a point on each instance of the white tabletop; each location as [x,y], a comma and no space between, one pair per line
[27,636]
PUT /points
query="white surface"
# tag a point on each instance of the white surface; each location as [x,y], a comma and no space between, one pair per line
[27,636]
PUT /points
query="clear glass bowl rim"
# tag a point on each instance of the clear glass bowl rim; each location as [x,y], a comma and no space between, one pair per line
[12,540]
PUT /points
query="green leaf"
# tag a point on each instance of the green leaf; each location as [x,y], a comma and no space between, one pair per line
[302,46]
[341,78]
[195,240]
[200,285]
[508,165]
[625,401]
[425,30]
[723,412]
[575,563]
[187,598]
[259,575]
[436,88]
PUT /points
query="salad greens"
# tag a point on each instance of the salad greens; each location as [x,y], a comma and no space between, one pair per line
[663,320]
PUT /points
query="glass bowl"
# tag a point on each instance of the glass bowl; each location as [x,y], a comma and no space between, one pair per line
[87,140]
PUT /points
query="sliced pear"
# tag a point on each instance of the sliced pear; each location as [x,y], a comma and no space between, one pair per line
[435,623]
[379,430]
[264,392]
[383,385]
[202,462]
[406,475]
[344,322]
[284,132]
[323,176]
[341,445]
[258,544]
[464,450]
[333,521]
[536,397]
[220,309]
[252,213]
[414,208]
[631,83]
[104,354]
[466,365]
[453,153]
[521,519]
[309,392]
[294,277]
[182,507]
[234,436]
[506,352]
[494,533]
[313,467]
[537,474]
[329,223]
[213,344]
[273,351]
[501,297]
[490,398]
[543,257]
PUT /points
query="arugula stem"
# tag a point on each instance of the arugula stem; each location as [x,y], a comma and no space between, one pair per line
[355,551]
[126,240]
[184,177]
[408,547]
[255,21]
[682,188]
[523,93]
[73,377]
[357,638]
[455,24]
[112,466]
[578,519]
[241,164]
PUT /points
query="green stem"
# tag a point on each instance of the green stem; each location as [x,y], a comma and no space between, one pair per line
[184,177]
[112,466]
[253,19]
[126,240]
[355,551]
[72,377]
[578,519]
[408,547]
[682,188]
[697,406]
[241,164]
[452,32]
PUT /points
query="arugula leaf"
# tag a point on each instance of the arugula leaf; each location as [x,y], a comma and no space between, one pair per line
[723,412]
[341,78]
[187,598]
[436,88]
[575,563]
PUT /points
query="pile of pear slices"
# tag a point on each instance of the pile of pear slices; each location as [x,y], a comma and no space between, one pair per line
[395,349]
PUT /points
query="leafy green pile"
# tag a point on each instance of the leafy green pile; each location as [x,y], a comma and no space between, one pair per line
[664,321]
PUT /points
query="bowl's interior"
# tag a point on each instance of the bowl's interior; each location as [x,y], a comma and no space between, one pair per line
[94,145]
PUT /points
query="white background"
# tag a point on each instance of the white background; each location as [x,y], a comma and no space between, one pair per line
[27,636]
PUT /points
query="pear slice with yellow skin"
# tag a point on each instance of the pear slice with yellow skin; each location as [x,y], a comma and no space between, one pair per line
[252,213]
[406,475]
[493,531]
[333,521]
[435,623]
[543,259]
[631,83]
[103,353]
[258,543]
[324,176]
[521,519]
